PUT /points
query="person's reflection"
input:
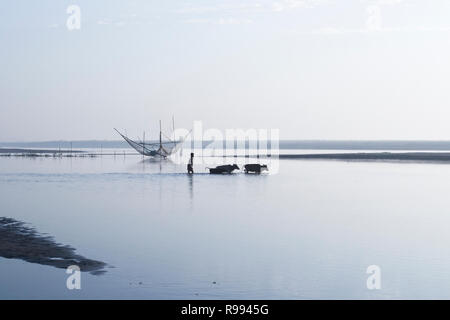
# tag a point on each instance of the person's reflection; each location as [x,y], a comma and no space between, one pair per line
[191,186]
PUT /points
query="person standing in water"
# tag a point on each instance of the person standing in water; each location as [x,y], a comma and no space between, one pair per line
[190,168]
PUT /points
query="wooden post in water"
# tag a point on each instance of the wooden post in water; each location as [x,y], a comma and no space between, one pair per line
[257,149]
[173,131]
[143,146]
[160,142]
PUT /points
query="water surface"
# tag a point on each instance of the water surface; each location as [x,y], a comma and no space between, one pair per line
[309,231]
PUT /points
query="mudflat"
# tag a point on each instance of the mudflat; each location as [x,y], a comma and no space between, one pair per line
[19,241]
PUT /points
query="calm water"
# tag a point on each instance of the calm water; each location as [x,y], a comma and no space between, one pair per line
[309,231]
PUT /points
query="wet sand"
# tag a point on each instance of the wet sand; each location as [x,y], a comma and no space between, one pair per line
[19,241]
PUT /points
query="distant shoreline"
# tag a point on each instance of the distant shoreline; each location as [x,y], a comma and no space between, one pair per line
[36,151]
[403,156]
[371,156]
[357,145]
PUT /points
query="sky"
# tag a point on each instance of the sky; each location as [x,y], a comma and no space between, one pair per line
[314,69]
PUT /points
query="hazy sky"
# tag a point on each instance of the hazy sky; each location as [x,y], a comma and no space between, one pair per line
[315,69]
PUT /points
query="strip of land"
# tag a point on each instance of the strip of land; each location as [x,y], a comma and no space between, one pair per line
[400,156]
[36,151]
[395,156]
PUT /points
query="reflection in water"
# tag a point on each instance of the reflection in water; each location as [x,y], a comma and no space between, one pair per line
[168,164]
[191,186]
[18,241]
